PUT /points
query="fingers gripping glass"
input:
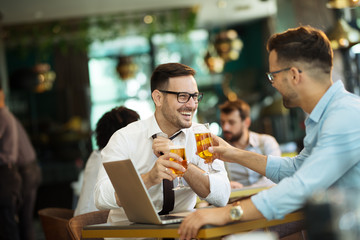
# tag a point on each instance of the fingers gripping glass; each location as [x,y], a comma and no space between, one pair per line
[184,97]
[204,140]
[179,150]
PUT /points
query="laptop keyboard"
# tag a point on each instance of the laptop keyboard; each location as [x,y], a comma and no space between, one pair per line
[169,217]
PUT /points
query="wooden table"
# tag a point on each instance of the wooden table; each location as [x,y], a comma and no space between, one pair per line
[237,194]
[126,229]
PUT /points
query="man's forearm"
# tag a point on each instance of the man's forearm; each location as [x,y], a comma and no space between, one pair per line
[254,161]
[250,211]
[197,180]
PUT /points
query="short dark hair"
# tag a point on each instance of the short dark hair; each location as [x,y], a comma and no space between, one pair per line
[161,75]
[306,44]
[112,121]
[240,105]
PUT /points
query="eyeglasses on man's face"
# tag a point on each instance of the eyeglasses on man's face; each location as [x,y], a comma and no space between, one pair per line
[184,97]
[270,75]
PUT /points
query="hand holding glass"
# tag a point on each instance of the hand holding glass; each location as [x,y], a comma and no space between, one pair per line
[203,142]
[179,150]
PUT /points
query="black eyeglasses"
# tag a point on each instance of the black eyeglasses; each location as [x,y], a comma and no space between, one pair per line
[184,97]
[270,75]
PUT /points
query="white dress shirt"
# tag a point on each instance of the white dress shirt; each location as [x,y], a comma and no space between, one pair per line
[135,142]
[86,200]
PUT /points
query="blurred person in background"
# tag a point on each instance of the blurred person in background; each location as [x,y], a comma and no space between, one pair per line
[235,122]
[109,123]
[10,183]
[31,176]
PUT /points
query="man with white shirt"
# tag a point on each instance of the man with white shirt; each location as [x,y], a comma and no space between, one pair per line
[176,97]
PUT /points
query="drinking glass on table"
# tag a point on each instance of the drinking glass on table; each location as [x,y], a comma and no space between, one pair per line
[203,142]
[179,150]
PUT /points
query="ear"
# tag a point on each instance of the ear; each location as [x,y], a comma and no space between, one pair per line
[247,122]
[157,97]
[295,75]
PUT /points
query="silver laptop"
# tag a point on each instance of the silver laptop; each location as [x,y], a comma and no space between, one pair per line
[133,195]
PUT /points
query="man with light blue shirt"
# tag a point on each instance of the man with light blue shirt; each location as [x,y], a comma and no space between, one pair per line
[300,64]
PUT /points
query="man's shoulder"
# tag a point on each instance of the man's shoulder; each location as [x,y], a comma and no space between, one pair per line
[135,127]
[7,118]
[261,136]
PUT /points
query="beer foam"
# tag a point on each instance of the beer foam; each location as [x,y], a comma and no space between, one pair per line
[201,131]
[176,147]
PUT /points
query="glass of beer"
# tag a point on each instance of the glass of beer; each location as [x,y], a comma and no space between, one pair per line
[179,150]
[203,142]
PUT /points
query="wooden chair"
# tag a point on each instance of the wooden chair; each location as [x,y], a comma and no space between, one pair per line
[54,222]
[77,223]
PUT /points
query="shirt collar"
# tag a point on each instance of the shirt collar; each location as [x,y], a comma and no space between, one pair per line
[155,129]
[153,126]
[253,141]
[320,107]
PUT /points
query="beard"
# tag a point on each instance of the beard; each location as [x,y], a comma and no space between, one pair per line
[233,137]
[289,96]
[288,100]
[174,119]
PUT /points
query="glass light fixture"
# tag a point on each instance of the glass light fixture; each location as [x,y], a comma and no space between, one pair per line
[343,35]
[342,3]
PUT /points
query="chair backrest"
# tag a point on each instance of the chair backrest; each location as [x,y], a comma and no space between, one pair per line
[77,223]
[54,222]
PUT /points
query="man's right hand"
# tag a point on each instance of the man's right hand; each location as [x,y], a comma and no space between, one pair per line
[161,145]
[221,149]
[161,170]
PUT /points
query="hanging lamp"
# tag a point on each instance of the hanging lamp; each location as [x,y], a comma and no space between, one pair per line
[342,3]
[343,35]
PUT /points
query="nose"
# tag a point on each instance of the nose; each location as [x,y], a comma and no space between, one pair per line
[225,126]
[191,103]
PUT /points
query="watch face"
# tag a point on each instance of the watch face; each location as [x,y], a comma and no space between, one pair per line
[236,213]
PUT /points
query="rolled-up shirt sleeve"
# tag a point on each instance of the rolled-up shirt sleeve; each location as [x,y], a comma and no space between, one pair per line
[219,183]
[219,186]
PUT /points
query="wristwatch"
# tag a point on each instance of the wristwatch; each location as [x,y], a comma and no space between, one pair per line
[236,212]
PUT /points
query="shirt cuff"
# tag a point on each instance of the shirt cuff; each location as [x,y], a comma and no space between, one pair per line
[273,168]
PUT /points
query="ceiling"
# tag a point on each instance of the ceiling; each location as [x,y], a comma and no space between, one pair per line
[209,14]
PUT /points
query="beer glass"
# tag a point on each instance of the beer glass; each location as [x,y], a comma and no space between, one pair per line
[179,150]
[203,142]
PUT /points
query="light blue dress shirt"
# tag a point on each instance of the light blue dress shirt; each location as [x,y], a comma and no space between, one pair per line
[330,158]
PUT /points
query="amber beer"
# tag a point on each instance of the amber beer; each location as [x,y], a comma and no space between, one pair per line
[179,150]
[203,142]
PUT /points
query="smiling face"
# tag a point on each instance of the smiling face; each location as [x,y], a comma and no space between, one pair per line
[173,115]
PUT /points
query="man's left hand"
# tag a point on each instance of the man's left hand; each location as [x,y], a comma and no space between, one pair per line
[193,222]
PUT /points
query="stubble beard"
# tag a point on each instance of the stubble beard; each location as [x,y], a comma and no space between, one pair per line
[174,119]
[235,137]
